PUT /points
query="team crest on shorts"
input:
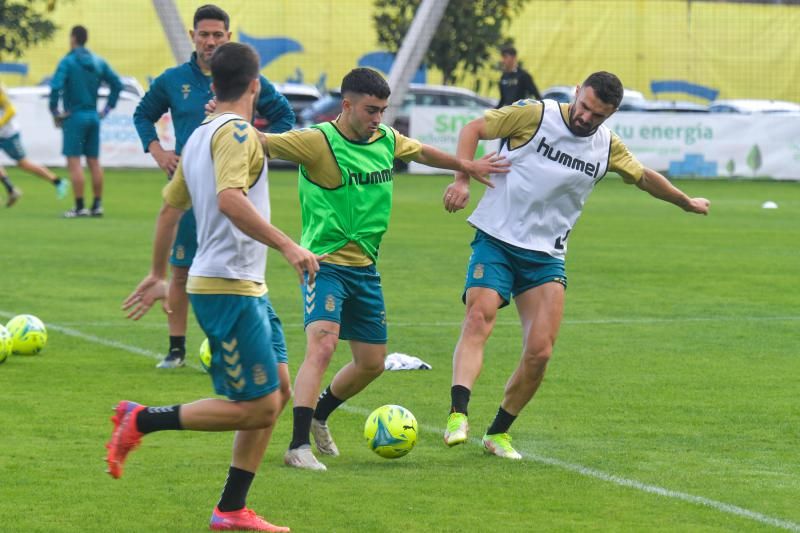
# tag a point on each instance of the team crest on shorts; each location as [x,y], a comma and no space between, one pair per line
[180,252]
[259,375]
[330,303]
[477,272]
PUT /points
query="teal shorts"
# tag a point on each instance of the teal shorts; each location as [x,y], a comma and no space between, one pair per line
[351,297]
[82,134]
[243,363]
[278,337]
[508,269]
[13,147]
[185,246]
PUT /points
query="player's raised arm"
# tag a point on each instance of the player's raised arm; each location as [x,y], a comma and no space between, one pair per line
[660,187]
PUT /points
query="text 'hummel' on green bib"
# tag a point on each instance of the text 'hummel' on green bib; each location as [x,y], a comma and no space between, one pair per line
[359,208]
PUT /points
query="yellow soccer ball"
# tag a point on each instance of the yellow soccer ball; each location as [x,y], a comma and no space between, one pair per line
[28,334]
[391,431]
[6,344]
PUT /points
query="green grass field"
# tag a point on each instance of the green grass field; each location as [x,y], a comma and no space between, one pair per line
[670,404]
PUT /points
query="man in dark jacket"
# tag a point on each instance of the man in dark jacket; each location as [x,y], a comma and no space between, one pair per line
[75,83]
[516,83]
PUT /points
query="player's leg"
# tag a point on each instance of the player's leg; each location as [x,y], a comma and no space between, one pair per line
[12,192]
[322,302]
[322,337]
[91,150]
[61,185]
[487,288]
[96,172]
[540,309]
[75,129]
[363,323]
[77,178]
[181,257]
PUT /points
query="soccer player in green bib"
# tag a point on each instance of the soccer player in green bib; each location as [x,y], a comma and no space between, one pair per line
[345,182]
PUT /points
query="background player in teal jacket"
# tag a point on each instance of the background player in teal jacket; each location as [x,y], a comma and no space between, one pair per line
[76,82]
[184,90]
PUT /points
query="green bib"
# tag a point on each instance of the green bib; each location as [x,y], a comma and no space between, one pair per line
[359,208]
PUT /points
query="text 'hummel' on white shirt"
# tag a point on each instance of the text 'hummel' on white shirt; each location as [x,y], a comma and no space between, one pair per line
[538,202]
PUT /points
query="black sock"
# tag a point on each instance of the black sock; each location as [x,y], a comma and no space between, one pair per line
[177,342]
[159,419]
[302,427]
[97,201]
[57,181]
[78,204]
[459,398]
[234,494]
[326,404]
[501,422]
[7,183]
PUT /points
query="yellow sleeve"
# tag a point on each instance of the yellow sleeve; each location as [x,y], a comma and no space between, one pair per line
[7,107]
[623,162]
[175,193]
[237,154]
[517,122]
[406,148]
[301,146]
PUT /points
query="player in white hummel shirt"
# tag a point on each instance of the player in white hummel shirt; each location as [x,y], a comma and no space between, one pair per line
[558,153]
[223,175]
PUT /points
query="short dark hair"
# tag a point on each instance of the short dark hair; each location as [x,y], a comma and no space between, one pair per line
[508,50]
[211,12]
[233,67]
[365,81]
[607,87]
[80,34]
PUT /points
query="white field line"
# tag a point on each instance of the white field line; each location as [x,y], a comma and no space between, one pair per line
[528,456]
[123,323]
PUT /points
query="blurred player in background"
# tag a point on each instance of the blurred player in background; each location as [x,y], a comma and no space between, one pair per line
[76,82]
[11,144]
[184,91]
[558,153]
[224,175]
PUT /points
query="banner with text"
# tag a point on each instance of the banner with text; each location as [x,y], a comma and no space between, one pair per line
[708,145]
[702,145]
[439,126]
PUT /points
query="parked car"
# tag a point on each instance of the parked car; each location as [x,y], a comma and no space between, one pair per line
[631,101]
[300,97]
[753,106]
[673,106]
[43,91]
[329,106]
[129,85]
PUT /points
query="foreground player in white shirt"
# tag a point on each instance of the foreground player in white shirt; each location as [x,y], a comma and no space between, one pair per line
[223,175]
[558,153]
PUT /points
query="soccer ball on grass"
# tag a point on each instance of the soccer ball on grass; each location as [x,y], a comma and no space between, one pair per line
[6,344]
[391,431]
[28,333]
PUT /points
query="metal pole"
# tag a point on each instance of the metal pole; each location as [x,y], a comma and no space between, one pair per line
[174,29]
[411,52]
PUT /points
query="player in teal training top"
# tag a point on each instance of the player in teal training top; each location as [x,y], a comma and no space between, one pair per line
[184,91]
[76,82]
